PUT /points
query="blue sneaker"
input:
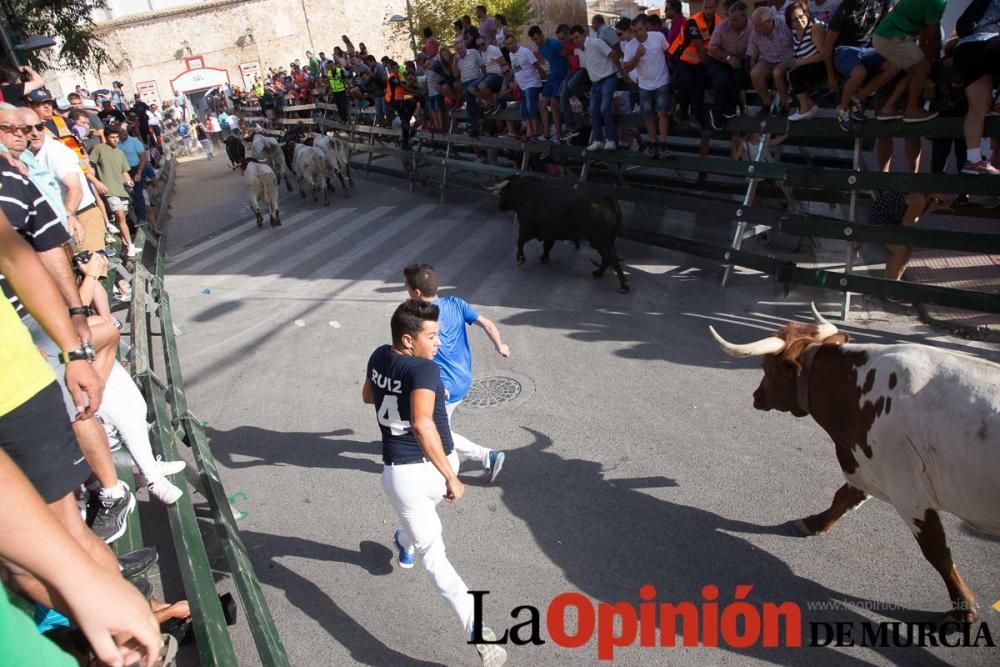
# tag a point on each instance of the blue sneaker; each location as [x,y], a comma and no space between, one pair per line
[496,463]
[405,557]
[844,120]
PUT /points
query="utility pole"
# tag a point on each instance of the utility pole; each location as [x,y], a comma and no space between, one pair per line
[305,16]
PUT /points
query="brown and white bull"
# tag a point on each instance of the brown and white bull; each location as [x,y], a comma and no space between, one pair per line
[915,426]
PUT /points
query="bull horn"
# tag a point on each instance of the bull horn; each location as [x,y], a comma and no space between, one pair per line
[826,328]
[769,345]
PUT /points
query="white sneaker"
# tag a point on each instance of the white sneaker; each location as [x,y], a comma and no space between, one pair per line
[164,491]
[804,115]
[131,251]
[492,655]
[162,469]
[610,145]
[596,146]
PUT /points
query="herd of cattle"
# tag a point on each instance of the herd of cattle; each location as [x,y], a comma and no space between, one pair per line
[313,159]
[915,426]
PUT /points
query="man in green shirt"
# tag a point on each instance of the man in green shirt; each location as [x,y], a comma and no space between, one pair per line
[113,170]
[910,38]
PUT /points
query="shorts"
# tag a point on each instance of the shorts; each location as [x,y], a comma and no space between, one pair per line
[904,53]
[51,351]
[94,229]
[846,58]
[974,60]
[654,101]
[39,439]
[769,67]
[552,87]
[121,203]
[435,102]
[529,103]
[493,81]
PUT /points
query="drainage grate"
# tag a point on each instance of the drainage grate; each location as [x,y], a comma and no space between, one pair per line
[490,392]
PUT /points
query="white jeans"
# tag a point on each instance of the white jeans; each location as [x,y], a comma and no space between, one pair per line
[467,450]
[415,491]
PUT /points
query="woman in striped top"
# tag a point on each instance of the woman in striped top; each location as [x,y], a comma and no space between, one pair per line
[808,68]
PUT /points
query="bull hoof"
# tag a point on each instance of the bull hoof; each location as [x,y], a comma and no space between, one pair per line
[520,261]
[960,616]
[597,274]
[624,289]
[805,530]
[545,260]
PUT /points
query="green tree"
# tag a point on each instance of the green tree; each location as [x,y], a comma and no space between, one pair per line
[440,15]
[69,21]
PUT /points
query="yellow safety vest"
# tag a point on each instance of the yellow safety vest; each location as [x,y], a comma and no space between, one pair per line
[258,89]
[335,75]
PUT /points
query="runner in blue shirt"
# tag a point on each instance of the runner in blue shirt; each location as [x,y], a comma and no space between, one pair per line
[455,357]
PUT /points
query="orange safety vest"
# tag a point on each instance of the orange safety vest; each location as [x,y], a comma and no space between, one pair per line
[396,92]
[67,137]
[690,53]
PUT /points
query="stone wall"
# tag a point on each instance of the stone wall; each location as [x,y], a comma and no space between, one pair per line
[151,46]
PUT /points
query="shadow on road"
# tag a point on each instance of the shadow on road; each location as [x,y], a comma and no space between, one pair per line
[609,539]
[374,558]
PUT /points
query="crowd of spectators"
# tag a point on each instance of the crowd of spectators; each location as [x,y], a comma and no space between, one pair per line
[70,169]
[872,59]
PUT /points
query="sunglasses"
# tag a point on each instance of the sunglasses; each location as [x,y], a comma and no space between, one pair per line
[22,129]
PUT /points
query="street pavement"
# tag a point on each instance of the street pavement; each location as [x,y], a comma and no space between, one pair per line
[634,455]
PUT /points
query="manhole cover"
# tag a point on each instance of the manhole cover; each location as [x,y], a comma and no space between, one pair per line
[492,391]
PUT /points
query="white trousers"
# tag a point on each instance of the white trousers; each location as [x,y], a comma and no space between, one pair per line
[467,450]
[415,491]
[124,408]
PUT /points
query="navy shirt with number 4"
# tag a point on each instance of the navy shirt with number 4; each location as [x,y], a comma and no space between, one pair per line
[394,377]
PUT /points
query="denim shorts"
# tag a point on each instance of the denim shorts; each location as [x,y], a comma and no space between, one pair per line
[493,81]
[435,102]
[653,101]
[552,87]
[529,103]
[846,58]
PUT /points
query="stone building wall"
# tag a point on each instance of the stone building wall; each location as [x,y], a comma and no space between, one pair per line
[151,46]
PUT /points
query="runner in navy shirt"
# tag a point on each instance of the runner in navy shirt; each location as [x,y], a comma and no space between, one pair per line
[421,469]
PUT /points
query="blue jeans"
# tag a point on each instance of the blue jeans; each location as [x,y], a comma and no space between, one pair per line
[138,201]
[471,104]
[574,86]
[381,108]
[602,116]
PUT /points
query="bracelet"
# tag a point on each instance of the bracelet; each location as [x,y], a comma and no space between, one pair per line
[80,310]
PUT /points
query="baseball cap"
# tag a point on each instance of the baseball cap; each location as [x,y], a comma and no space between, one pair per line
[90,104]
[62,103]
[40,95]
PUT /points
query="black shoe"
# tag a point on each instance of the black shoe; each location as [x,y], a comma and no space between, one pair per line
[111,520]
[137,562]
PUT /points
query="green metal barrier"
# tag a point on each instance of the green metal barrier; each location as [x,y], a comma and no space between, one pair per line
[725,211]
[159,374]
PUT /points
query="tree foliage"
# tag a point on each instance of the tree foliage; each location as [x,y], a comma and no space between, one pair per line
[440,15]
[69,21]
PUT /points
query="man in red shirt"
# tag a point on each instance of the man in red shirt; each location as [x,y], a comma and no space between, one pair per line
[575,85]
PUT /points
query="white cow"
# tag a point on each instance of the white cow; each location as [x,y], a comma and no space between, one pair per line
[268,150]
[310,167]
[335,153]
[262,185]
[915,426]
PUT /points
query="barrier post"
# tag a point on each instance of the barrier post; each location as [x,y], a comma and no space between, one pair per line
[741,221]
[845,308]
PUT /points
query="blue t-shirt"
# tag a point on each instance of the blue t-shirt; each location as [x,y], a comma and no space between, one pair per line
[454,356]
[552,51]
[132,147]
[394,376]
[184,130]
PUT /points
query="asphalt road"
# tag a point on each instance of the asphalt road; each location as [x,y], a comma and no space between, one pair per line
[634,455]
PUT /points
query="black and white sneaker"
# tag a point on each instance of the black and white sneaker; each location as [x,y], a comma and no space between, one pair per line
[111,519]
[137,562]
[716,125]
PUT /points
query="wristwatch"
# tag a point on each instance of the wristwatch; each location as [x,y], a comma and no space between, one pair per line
[74,355]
